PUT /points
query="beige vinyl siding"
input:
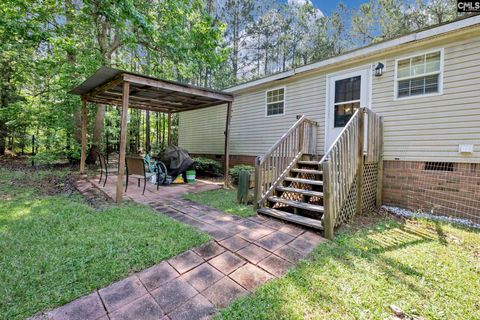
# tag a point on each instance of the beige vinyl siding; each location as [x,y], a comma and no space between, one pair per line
[202,131]
[252,132]
[417,128]
[431,128]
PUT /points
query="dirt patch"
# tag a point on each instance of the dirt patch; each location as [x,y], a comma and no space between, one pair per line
[48,184]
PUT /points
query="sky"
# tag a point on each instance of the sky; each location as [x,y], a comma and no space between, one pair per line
[327,6]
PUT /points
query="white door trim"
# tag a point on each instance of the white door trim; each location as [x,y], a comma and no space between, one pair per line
[367,70]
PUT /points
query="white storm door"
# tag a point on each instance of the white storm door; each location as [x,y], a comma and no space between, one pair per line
[347,92]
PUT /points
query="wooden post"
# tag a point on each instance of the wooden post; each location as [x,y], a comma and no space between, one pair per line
[83,156]
[257,191]
[380,163]
[169,141]
[329,218]
[227,146]
[361,138]
[123,141]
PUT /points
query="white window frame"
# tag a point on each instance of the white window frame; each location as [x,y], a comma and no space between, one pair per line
[440,76]
[284,102]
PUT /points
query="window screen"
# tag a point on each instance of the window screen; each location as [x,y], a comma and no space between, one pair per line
[275,102]
[419,75]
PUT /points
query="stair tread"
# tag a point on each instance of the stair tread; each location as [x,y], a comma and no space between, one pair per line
[309,222]
[312,171]
[306,181]
[297,204]
[310,193]
[308,162]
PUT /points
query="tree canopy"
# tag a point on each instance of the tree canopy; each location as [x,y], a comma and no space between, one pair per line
[48,47]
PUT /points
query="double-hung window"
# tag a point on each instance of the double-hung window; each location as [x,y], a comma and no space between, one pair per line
[275,102]
[419,75]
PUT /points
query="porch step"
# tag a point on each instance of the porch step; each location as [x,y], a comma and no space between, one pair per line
[309,193]
[306,181]
[297,204]
[308,162]
[310,171]
[309,222]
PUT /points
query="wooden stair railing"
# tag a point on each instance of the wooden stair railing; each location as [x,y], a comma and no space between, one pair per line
[275,164]
[343,166]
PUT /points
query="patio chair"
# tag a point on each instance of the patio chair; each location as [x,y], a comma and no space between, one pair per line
[136,169]
[103,168]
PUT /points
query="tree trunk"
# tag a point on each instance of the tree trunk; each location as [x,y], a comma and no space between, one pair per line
[3,136]
[97,135]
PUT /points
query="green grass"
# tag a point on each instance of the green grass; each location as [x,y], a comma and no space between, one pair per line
[428,270]
[225,200]
[54,249]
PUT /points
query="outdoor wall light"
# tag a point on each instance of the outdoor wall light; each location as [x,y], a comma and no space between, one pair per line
[379,69]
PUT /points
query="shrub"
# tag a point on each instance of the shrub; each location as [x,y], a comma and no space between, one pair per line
[235,171]
[207,166]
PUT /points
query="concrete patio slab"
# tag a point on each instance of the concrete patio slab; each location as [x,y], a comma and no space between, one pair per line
[250,276]
[274,240]
[209,250]
[87,307]
[144,308]
[196,308]
[275,265]
[122,292]
[290,254]
[223,292]
[253,253]
[227,262]
[185,261]
[157,275]
[173,294]
[234,243]
[202,276]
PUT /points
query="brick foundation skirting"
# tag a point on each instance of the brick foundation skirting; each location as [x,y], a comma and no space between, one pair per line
[234,159]
[455,193]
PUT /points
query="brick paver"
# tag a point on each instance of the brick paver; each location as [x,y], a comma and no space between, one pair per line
[275,265]
[253,253]
[87,307]
[185,261]
[224,291]
[173,294]
[122,292]
[144,308]
[203,276]
[157,275]
[227,262]
[234,243]
[245,253]
[250,276]
[209,250]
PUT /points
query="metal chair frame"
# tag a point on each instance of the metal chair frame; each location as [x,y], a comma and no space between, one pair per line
[103,168]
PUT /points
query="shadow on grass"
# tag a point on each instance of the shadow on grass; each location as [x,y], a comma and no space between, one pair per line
[358,275]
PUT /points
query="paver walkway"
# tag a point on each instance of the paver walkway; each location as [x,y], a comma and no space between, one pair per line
[245,253]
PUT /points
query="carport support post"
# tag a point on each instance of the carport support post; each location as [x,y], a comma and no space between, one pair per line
[83,156]
[226,182]
[169,140]
[123,141]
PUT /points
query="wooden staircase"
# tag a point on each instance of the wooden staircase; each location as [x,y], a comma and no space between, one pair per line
[299,197]
[292,183]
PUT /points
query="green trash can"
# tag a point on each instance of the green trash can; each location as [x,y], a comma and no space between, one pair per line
[190,176]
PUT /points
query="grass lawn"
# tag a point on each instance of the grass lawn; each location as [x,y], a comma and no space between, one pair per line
[426,269]
[54,249]
[225,200]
